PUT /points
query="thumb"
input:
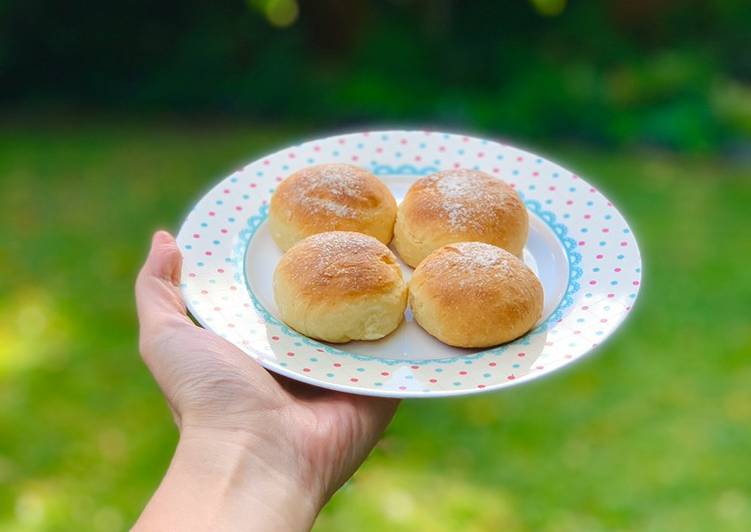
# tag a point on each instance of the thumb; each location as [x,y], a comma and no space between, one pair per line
[157,295]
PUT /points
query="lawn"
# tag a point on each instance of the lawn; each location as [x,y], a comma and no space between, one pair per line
[652,433]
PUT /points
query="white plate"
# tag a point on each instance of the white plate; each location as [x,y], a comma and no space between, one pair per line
[579,245]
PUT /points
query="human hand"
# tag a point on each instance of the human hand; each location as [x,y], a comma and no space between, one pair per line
[256,451]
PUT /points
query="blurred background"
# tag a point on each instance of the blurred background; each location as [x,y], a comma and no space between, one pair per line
[116,116]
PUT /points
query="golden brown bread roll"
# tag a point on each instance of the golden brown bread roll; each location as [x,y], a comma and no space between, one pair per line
[472,294]
[340,286]
[331,197]
[459,206]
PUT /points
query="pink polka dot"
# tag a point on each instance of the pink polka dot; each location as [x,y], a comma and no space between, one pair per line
[306,370]
[196,235]
[581,242]
[290,353]
[462,373]
[511,377]
[605,230]
[492,364]
[617,270]
[212,213]
[481,386]
[635,283]
[402,387]
[415,367]
[433,380]
[354,379]
[207,253]
[275,338]
[593,282]
[385,373]
[220,270]
[521,355]
[598,256]
[226,191]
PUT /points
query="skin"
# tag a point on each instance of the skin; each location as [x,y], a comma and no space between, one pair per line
[256,451]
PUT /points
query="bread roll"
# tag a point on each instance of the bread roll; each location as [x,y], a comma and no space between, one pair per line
[340,286]
[472,294]
[331,197]
[459,206]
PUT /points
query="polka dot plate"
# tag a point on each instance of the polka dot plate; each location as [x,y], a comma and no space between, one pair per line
[579,245]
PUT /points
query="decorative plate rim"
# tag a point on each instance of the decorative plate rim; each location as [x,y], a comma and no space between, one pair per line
[561,230]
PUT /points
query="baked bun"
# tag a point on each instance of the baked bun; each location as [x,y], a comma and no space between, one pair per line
[340,286]
[472,294]
[459,206]
[331,197]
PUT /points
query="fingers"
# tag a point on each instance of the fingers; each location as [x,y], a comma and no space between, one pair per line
[158,300]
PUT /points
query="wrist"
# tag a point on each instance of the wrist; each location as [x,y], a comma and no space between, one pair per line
[224,479]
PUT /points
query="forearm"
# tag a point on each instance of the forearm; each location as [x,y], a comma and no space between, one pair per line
[223,485]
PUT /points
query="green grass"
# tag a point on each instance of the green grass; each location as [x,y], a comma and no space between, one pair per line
[652,433]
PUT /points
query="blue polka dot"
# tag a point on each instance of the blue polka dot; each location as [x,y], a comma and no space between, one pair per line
[245,196]
[548,202]
[461,152]
[626,231]
[439,370]
[228,260]
[313,359]
[588,294]
[437,162]
[567,216]
[555,174]
[500,157]
[456,383]
[398,154]
[377,384]
[603,243]
[384,137]
[572,189]
[329,375]
[613,283]
[515,172]
[285,167]
[538,161]
[468,362]
[216,242]
[620,257]
[408,377]
[486,375]
[298,344]
[590,203]
[580,320]
[360,146]
[199,264]
[259,173]
[231,219]
[188,246]
[595,270]
[532,187]
[233,180]
[638,270]
[585,230]
[219,202]
[422,145]
[515,365]
[310,160]
[360,369]
[335,153]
